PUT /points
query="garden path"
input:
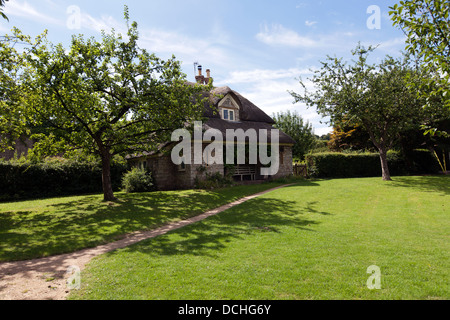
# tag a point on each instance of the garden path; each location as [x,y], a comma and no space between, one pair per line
[46,278]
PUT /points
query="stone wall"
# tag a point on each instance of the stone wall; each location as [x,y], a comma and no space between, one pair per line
[169,176]
[286,166]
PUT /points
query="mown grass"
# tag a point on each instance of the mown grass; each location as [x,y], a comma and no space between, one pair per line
[32,229]
[314,240]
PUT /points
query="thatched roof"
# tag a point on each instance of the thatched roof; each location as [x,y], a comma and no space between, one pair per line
[250,116]
[223,125]
[248,111]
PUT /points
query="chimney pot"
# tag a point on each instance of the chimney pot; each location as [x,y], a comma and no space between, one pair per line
[208,73]
[199,70]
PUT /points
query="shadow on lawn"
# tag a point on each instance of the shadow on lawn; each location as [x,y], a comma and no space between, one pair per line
[209,237]
[437,183]
[88,221]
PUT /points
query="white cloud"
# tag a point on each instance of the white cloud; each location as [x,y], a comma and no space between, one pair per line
[393,46]
[310,23]
[276,34]
[258,75]
[269,90]
[167,42]
[24,9]
[105,22]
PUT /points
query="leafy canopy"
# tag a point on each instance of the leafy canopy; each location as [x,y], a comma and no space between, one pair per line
[293,124]
[426,24]
[2,4]
[374,95]
[107,97]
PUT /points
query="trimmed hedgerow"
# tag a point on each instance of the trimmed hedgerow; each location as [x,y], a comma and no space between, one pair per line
[352,165]
[53,178]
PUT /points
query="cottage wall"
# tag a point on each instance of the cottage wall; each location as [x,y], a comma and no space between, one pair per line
[169,176]
[286,166]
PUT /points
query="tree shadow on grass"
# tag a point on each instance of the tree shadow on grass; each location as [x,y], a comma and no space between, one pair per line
[209,237]
[88,222]
[437,183]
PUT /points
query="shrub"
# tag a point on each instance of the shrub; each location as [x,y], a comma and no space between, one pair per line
[214,181]
[53,177]
[349,165]
[137,180]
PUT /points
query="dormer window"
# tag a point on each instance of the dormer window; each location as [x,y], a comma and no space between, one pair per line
[229,109]
[228,114]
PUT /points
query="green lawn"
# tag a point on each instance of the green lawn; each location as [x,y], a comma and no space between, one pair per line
[314,240]
[31,229]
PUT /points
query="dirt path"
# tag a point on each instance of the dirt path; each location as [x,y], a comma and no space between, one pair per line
[45,278]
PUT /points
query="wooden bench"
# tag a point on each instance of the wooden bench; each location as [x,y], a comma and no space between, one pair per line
[245,171]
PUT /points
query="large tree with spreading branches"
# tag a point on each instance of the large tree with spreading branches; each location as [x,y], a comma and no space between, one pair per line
[426,24]
[107,97]
[375,96]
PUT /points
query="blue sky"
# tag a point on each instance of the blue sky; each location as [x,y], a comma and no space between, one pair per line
[258,48]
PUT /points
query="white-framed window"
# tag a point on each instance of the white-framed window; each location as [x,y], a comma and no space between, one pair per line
[228,114]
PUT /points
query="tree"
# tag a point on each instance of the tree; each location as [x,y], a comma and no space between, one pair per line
[349,137]
[293,125]
[375,96]
[13,123]
[426,24]
[2,4]
[107,97]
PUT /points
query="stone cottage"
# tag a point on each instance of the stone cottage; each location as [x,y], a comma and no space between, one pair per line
[227,109]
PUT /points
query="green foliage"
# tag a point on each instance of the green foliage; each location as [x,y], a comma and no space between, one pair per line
[2,4]
[13,115]
[137,180]
[320,146]
[426,24]
[23,179]
[293,125]
[348,165]
[213,181]
[376,96]
[106,97]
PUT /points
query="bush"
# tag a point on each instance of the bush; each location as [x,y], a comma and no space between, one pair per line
[214,181]
[350,165]
[54,177]
[137,180]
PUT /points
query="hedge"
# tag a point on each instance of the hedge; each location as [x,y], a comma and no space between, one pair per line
[350,165]
[29,181]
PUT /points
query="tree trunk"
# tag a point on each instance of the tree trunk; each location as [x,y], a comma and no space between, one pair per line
[108,194]
[382,149]
[384,164]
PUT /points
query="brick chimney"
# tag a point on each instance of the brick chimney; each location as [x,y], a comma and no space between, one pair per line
[200,78]
[208,76]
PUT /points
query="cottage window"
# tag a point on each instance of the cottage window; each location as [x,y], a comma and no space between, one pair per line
[228,114]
